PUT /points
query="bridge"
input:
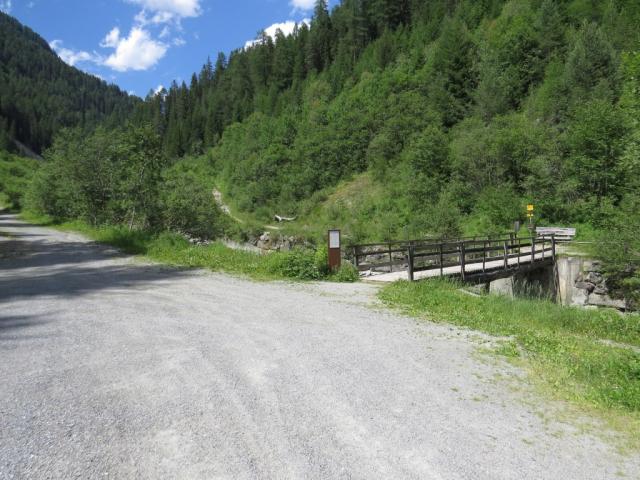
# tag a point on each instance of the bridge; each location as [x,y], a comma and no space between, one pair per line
[472,260]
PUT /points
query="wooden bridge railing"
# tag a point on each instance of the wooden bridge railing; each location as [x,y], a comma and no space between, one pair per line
[386,255]
[472,256]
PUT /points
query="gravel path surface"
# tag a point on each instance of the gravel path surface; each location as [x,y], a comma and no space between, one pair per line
[112,368]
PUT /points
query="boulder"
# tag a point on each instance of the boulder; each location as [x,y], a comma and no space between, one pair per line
[594,277]
[589,287]
[601,290]
[579,297]
[606,301]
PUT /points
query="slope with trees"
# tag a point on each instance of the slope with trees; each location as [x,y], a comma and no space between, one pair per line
[40,94]
[457,113]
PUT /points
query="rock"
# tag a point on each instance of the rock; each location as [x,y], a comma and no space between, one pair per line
[606,301]
[594,277]
[589,287]
[579,297]
[601,290]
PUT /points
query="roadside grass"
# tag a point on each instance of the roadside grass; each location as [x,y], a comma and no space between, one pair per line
[173,249]
[588,357]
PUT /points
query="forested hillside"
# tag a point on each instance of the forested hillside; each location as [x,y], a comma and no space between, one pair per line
[388,118]
[40,94]
[459,108]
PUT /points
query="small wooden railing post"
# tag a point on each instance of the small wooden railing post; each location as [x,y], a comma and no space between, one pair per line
[519,251]
[553,247]
[463,254]
[441,260]
[411,259]
[356,260]
[506,256]
[484,256]
[390,260]
[533,250]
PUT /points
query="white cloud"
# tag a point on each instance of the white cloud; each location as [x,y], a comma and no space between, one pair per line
[158,90]
[285,27]
[5,6]
[112,39]
[179,42]
[305,5]
[72,57]
[163,11]
[136,52]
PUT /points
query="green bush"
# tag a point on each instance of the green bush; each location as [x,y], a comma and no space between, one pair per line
[15,175]
[346,274]
[188,203]
[299,263]
[322,260]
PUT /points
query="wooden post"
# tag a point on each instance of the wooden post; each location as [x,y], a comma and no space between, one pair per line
[484,256]
[519,251]
[553,247]
[411,258]
[533,250]
[390,260]
[463,254]
[506,256]
[356,261]
[441,248]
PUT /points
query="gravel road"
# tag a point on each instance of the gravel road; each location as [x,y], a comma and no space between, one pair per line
[112,368]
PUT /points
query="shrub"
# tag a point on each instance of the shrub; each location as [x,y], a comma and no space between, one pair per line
[189,205]
[299,263]
[346,274]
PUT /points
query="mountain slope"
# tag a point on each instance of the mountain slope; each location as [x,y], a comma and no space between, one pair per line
[40,94]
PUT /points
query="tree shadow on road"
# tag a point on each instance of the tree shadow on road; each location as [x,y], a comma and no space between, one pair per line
[73,280]
[19,254]
[50,266]
[9,324]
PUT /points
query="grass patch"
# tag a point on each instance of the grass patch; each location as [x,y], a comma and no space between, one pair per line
[564,349]
[173,249]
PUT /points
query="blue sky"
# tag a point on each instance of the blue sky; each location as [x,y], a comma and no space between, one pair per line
[141,44]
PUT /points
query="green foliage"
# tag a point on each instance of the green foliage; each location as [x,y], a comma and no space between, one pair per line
[40,94]
[595,139]
[299,264]
[15,175]
[347,273]
[105,177]
[187,201]
[497,209]
[565,348]
[619,246]
[592,63]
[510,60]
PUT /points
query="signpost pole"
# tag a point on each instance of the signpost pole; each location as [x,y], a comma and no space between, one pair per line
[335,254]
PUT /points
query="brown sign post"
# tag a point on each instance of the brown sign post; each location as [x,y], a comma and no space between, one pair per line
[335,257]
